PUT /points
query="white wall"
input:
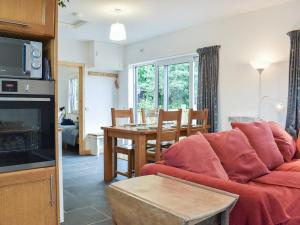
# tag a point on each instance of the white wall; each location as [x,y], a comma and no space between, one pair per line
[72,50]
[100,92]
[106,56]
[244,38]
[101,96]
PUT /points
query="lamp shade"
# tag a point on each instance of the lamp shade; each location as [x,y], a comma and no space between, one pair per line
[117,32]
[263,64]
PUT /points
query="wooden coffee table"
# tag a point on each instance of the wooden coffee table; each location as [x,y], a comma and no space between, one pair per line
[163,200]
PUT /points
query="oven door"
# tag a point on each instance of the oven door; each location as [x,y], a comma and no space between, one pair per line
[27,132]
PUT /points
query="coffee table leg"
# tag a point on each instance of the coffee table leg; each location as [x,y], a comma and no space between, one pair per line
[140,153]
[225,217]
[113,221]
[108,161]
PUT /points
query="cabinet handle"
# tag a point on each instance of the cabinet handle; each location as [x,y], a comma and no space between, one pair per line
[13,22]
[51,191]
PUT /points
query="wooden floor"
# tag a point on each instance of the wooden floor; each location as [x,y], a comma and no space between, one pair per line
[84,195]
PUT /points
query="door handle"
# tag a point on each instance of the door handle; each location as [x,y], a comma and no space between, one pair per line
[13,22]
[52,201]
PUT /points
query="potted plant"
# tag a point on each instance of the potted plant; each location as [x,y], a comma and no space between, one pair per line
[63,3]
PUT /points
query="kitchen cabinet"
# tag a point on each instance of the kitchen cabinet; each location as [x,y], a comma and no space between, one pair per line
[31,18]
[28,197]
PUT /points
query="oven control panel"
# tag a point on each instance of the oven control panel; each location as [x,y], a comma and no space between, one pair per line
[9,86]
[26,87]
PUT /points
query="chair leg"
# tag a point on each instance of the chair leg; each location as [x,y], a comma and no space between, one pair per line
[129,170]
[133,162]
[115,164]
[115,156]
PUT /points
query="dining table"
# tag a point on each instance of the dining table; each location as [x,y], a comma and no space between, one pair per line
[139,135]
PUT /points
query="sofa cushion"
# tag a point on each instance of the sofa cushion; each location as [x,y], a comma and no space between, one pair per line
[237,156]
[261,138]
[196,155]
[293,166]
[285,142]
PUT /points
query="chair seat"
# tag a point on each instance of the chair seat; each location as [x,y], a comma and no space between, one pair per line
[164,144]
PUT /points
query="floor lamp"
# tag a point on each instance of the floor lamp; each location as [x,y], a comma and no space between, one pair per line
[260,66]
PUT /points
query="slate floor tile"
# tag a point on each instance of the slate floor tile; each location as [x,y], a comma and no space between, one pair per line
[83,216]
[105,222]
[85,200]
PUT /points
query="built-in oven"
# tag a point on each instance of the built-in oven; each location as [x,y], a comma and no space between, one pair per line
[27,127]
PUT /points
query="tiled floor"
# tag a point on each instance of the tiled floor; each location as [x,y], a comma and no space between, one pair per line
[85,201]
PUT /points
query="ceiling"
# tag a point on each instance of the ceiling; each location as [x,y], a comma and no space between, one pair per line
[149,18]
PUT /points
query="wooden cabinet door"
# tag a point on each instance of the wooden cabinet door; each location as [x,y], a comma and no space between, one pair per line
[33,18]
[28,197]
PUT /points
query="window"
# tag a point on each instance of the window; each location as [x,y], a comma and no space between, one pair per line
[168,84]
[145,86]
[73,99]
[178,86]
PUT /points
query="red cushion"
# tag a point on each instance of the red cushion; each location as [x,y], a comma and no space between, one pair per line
[261,138]
[284,141]
[194,154]
[237,156]
[293,166]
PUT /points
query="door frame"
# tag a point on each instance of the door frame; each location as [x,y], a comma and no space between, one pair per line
[81,67]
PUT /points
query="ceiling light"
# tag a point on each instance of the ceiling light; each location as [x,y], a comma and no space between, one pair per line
[117,30]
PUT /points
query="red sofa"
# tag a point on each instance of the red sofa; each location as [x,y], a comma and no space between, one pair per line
[272,199]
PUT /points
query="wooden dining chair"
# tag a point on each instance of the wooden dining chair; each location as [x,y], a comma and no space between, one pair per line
[201,116]
[171,134]
[152,113]
[127,150]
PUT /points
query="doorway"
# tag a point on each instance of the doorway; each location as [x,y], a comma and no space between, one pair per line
[71,77]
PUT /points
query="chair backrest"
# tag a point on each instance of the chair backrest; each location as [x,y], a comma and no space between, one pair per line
[151,114]
[201,116]
[121,114]
[167,134]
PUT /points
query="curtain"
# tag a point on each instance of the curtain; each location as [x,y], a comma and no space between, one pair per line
[293,113]
[208,84]
[73,95]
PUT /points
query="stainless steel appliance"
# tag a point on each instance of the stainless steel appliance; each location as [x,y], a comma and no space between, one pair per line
[27,127]
[20,58]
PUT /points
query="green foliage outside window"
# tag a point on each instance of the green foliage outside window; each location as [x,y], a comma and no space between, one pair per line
[145,86]
[178,86]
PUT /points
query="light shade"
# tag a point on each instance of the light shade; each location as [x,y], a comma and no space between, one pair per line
[279,106]
[261,65]
[117,32]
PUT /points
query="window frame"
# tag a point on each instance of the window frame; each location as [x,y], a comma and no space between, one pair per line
[192,59]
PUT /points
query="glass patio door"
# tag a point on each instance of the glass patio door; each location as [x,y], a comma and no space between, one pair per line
[166,84]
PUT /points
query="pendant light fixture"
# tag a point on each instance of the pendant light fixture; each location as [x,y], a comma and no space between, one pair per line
[117,30]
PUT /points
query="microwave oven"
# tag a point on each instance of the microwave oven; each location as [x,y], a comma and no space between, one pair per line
[20,58]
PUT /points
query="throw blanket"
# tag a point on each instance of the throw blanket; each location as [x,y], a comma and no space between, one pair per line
[273,199]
